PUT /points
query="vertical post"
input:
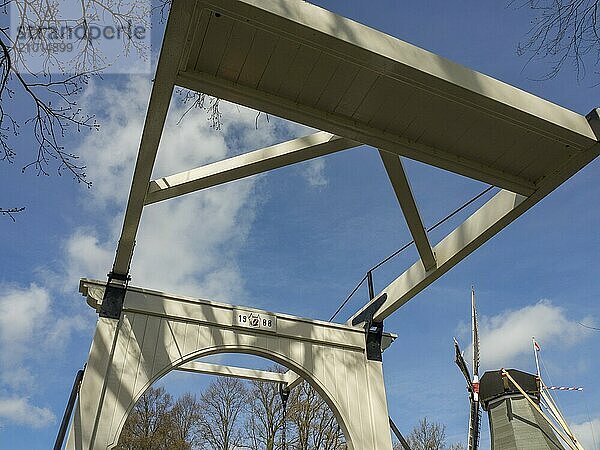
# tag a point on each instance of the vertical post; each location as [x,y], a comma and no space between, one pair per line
[284,393]
[370,284]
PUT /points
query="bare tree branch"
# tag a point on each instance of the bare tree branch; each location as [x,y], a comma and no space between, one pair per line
[222,406]
[40,83]
[563,32]
[10,212]
[41,101]
[197,100]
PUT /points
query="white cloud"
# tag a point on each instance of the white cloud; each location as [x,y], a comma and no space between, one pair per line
[588,434]
[24,325]
[86,255]
[21,412]
[22,310]
[314,173]
[57,335]
[189,245]
[506,337]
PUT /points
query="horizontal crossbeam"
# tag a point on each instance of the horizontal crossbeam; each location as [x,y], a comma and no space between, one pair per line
[290,378]
[248,164]
[234,372]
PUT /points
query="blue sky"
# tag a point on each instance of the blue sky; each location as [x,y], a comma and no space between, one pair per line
[297,240]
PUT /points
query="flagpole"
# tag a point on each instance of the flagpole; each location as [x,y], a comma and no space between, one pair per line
[536,349]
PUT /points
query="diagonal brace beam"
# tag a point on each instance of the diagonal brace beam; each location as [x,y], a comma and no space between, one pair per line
[248,164]
[397,175]
[486,222]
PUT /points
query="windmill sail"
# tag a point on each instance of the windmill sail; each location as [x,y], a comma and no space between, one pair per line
[474,417]
[472,383]
[462,365]
[521,397]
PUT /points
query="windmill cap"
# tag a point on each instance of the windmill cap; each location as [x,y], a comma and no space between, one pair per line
[493,385]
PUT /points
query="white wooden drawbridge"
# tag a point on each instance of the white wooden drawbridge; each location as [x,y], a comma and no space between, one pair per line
[360,87]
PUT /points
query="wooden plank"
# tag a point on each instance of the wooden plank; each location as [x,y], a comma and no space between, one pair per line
[298,72]
[215,42]
[233,372]
[403,191]
[148,347]
[356,93]
[380,95]
[240,41]
[345,126]
[114,379]
[477,229]
[338,85]
[160,99]
[274,75]
[263,45]
[318,79]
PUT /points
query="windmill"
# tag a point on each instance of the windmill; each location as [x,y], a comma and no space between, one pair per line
[472,383]
[513,400]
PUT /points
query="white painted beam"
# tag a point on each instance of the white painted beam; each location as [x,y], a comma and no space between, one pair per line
[234,372]
[168,65]
[248,164]
[397,175]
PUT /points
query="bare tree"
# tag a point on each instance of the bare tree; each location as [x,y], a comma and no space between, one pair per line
[185,419]
[563,32]
[427,435]
[38,93]
[314,424]
[148,426]
[458,446]
[265,417]
[222,405]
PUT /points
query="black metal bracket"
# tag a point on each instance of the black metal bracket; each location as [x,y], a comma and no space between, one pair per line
[114,296]
[373,328]
[374,334]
